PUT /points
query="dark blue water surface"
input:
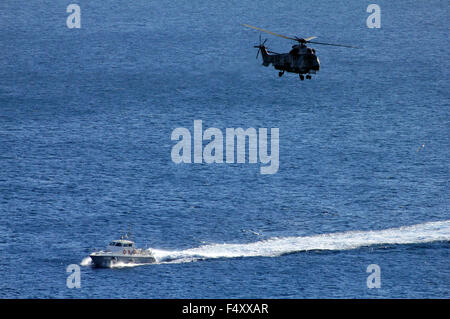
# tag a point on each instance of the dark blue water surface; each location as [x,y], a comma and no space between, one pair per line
[86,117]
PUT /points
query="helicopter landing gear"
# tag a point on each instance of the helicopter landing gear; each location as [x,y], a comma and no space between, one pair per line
[280,74]
[301,77]
[308,77]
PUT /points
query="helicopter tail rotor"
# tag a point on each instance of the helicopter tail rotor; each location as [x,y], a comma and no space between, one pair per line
[260,46]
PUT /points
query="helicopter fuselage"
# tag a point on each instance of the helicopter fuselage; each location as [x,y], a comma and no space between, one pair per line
[300,59]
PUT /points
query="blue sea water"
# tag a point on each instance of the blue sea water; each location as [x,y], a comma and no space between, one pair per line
[86,117]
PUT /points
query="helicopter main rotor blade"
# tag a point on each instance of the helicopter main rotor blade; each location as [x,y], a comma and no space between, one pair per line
[308,39]
[335,45]
[301,40]
[270,32]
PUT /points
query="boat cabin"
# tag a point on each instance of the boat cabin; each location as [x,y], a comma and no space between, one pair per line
[120,245]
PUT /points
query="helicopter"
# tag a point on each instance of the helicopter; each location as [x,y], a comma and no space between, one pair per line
[301,59]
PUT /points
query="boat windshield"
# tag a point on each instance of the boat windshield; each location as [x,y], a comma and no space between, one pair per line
[119,244]
[114,243]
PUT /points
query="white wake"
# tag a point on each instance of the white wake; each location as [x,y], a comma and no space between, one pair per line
[415,234]
[87,261]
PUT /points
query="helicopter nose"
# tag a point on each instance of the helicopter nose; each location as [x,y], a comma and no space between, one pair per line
[315,63]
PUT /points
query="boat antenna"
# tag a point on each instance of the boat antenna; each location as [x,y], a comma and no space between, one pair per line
[128,231]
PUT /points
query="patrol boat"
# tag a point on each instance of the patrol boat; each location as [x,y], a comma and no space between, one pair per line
[121,251]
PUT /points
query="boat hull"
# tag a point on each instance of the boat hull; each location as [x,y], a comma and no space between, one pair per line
[105,261]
